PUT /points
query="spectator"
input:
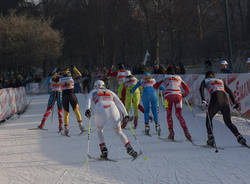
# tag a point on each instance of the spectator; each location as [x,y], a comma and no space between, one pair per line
[208,65]
[182,68]
[248,65]
[224,67]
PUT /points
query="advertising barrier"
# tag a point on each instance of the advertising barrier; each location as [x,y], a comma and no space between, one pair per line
[12,101]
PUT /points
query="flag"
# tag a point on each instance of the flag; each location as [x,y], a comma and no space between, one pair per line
[146,57]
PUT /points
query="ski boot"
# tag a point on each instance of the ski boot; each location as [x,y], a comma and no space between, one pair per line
[147,128]
[104,151]
[241,140]
[210,141]
[124,123]
[135,122]
[158,129]
[66,131]
[187,134]
[131,151]
[41,125]
[81,128]
[171,134]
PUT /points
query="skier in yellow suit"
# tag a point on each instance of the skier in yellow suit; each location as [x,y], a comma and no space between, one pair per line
[132,98]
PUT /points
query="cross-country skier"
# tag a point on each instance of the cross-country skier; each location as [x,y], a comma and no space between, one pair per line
[55,96]
[149,97]
[107,106]
[132,98]
[68,97]
[127,98]
[173,95]
[218,102]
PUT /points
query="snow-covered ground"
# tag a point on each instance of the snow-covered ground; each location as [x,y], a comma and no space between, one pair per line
[44,157]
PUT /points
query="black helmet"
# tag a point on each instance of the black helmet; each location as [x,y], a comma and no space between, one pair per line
[121,66]
[171,70]
[209,74]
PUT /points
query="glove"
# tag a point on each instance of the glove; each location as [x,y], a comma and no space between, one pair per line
[184,95]
[88,113]
[204,104]
[126,118]
[236,106]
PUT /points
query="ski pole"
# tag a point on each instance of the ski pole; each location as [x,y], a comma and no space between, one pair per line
[189,106]
[89,128]
[210,124]
[137,142]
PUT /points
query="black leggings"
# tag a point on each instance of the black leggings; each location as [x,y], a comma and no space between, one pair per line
[219,102]
[69,97]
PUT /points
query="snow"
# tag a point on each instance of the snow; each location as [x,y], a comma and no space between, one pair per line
[45,157]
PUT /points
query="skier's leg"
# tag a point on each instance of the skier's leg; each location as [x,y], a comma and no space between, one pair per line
[59,107]
[118,130]
[178,111]
[75,107]
[227,119]
[146,112]
[154,108]
[136,102]
[65,102]
[51,102]
[169,116]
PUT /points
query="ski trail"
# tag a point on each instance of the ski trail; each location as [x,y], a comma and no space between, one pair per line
[44,157]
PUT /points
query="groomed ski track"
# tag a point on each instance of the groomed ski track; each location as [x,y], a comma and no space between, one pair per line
[45,157]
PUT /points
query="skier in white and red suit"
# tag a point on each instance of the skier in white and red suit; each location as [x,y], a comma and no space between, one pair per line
[107,106]
[55,96]
[173,95]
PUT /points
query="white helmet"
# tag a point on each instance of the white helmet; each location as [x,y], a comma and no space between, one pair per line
[224,62]
[128,73]
[99,84]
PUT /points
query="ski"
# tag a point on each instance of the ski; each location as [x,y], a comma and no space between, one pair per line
[139,154]
[207,146]
[247,146]
[36,128]
[170,140]
[101,159]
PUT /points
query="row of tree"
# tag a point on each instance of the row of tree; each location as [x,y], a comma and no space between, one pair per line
[106,32]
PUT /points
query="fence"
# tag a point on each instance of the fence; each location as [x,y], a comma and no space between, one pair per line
[12,101]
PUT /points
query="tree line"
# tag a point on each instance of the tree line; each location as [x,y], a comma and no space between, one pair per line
[104,32]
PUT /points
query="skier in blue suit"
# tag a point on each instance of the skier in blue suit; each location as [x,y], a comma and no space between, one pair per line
[149,96]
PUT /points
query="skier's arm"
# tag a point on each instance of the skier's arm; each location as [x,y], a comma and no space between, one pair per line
[186,88]
[202,87]
[228,90]
[158,84]
[135,87]
[162,88]
[119,104]
[112,74]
